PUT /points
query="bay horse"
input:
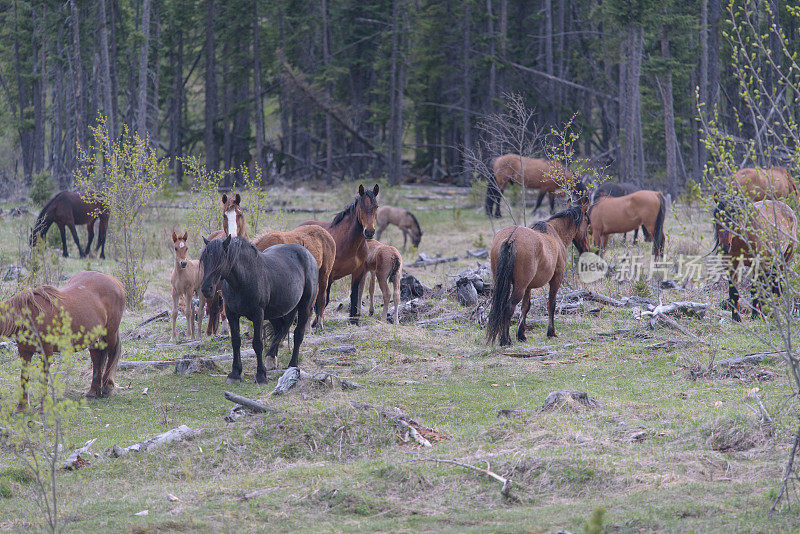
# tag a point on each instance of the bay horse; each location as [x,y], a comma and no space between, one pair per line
[66,209]
[350,229]
[187,275]
[613,189]
[525,258]
[233,224]
[321,245]
[617,215]
[538,174]
[403,219]
[765,184]
[94,302]
[764,232]
[384,262]
[275,285]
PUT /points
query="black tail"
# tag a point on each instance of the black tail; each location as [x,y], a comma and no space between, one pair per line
[41,225]
[492,195]
[395,268]
[500,312]
[658,232]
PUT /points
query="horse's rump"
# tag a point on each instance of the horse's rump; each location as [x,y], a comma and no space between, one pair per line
[764,184]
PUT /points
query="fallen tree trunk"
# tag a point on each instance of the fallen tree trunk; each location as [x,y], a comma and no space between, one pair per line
[74,460]
[505,490]
[408,425]
[749,358]
[181,433]
[424,261]
[256,406]
[160,315]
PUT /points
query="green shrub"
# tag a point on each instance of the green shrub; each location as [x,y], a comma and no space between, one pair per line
[42,188]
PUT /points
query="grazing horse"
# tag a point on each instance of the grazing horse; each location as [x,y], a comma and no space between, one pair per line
[765,184]
[539,174]
[68,209]
[525,258]
[233,224]
[350,229]
[275,285]
[320,244]
[187,275]
[384,262]
[403,219]
[763,234]
[95,303]
[617,215]
[612,189]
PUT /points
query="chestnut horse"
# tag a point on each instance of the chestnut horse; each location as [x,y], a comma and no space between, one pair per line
[94,301]
[350,228]
[68,209]
[187,275]
[525,258]
[612,189]
[320,244]
[763,233]
[617,215]
[764,184]
[384,262]
[403,219]
[539,174]
[233,224]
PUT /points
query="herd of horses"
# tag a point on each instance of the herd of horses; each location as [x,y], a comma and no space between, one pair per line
[285,277]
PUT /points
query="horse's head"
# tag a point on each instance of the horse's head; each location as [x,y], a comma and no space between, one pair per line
[179,245]
[216,264]
[232,215]
[415,228]
[581,239]
[724,220]
[367,210]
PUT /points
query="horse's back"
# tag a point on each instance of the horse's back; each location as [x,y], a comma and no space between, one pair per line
[778,221]
[538,255]
[760,184]
[94,293]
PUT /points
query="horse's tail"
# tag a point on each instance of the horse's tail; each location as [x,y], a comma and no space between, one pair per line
[492,194]
[658,232]
[41,224]
[214,313]
[395,268]
[501,297]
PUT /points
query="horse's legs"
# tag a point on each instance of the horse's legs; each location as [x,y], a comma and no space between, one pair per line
[405,237]
[114,349]
[101,237]
[89,237]
[280,329]
[396,293]
[189,312]
[596,239]
[258,347]
[526,306]
[605,243]
[321,302]
[387,296]
[733,297]
[552,202]
[555,282]
[201,311]
[755,301]
[635,235]
[174,315]
[355,296]
[539,202]
[74,233]
[99,358]
[25,360]
[303,312]
[380,229]
[372,293]
[63,240]
[236,344]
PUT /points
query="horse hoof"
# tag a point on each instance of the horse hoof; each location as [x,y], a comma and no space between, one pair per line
[522,337]
[261,380]
[551,333]
[231,380]
[354,321]
[736,317]
[91,395]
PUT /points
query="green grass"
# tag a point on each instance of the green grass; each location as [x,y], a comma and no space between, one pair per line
[333,468]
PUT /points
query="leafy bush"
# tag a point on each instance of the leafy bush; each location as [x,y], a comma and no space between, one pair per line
[42,188]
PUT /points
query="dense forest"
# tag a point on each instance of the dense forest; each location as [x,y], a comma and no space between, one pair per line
[339,89]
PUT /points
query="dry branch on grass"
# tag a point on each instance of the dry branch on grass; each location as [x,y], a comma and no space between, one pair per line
[180,433]
[251,404]
[425,261]
[411,430]
[293,375]
[749,358]
[75,460]
[505,489]
[163,315]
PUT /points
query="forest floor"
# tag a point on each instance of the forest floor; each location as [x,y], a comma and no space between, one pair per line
[671,447]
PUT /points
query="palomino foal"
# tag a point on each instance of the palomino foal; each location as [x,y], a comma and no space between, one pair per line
[187,276]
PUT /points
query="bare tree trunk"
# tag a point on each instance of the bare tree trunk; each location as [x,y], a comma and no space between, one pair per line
[58,118]
[39,91]
[328,90]
[260,128]
[77,76]
[714,11]
[492,59]
[153,102]
[141,114]
[548,55]
[112,66]
[624,136]
[176,110]
[395,101]
[703,93]
[503,34]
[212,152]
[105,71]
[669,119]
[466,117]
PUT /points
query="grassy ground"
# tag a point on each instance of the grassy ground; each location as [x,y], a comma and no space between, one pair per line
[664,452]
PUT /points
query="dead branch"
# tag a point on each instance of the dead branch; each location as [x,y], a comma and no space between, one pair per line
[425,261]
[160,315]
[400,420]
[288,380]
[255,406]
[505,490]
[749,358]
[74,460]
[164,364]
[181,433]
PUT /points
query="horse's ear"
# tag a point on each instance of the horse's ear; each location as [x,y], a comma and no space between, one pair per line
[375,190]
[226,242]
[238,199]
[224,199]
[185,235]
[205,241]
[174,237]
[361,190]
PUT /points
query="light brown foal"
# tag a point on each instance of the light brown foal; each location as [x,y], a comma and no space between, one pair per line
[384,262]
[187,276]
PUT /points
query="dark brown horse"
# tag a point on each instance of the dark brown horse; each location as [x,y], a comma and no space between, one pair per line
[525,258]
[320,244]
[67,209]
[764,232]
[349,229]
[233,224]
[617,215]
[93,301]
[537,173]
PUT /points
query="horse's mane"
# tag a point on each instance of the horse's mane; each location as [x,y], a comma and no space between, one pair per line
[416,222]
[540,226]
[575,214]
[30,300]
[43,213]
[339,217]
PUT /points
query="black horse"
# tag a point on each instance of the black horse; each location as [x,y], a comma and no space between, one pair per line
[68,209]
[613,189]
[275,285]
